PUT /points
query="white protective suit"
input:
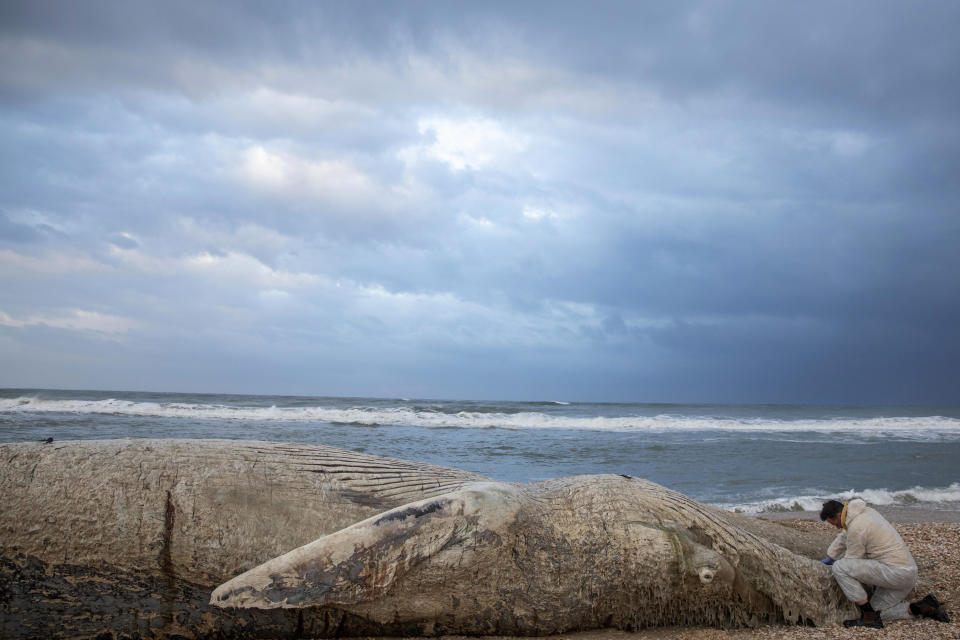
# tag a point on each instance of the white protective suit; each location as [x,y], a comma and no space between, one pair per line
[871,552]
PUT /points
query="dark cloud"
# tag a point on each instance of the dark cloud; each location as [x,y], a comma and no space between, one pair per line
[691,201]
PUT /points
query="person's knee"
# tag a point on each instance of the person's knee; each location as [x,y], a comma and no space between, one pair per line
[840,568]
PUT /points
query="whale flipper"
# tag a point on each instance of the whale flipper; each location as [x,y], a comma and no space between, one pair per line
[361,562]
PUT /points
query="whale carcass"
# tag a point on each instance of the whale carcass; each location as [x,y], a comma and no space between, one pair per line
[133,537]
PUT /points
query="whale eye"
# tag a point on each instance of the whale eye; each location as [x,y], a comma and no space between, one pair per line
[706,575]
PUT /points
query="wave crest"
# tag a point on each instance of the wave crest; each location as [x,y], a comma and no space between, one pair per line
[434,416]
[917,497]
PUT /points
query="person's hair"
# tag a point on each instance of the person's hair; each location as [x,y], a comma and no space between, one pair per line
[831,508]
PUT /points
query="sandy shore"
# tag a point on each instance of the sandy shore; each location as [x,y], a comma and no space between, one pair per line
[934,539]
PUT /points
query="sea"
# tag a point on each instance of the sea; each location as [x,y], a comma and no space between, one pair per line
[751,458]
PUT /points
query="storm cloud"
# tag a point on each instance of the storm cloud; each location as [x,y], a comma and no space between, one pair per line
[685,201]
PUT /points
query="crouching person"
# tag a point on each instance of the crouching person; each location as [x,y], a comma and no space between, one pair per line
[869,552]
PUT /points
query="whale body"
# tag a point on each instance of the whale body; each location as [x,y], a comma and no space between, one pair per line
[220,538]
[130,536]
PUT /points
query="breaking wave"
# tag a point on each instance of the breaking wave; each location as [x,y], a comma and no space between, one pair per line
[915,497]
[447,416]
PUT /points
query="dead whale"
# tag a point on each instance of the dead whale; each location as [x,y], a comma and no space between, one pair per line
[130,537]
[573,553]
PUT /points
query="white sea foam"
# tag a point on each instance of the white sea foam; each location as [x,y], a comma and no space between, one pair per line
[433,417]
[920,496]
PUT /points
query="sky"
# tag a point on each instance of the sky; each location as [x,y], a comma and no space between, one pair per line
[610,201]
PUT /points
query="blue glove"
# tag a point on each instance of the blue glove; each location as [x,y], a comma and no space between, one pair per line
[827,561]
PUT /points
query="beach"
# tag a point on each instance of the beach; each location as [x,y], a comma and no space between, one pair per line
[777,463]
[410,319]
